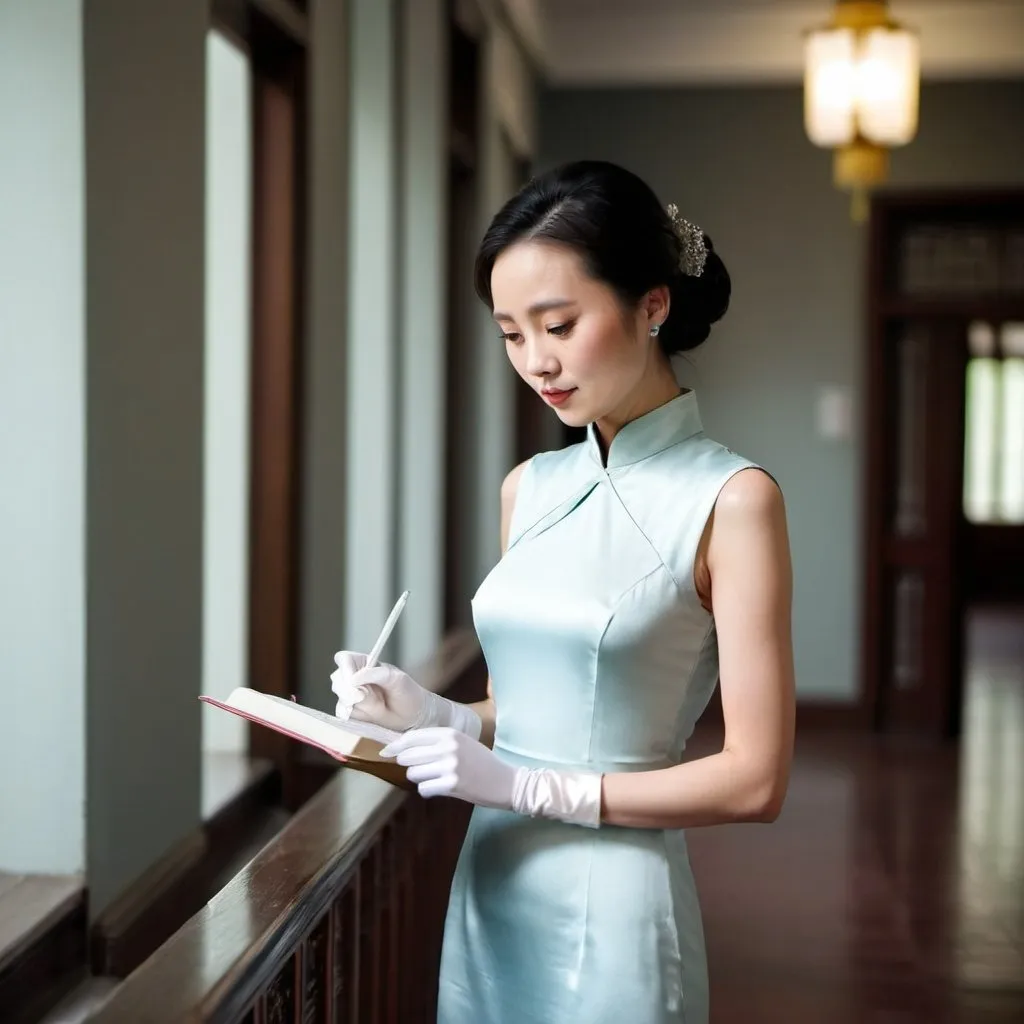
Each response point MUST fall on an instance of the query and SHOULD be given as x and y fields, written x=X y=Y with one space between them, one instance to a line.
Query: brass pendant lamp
x=861 y=93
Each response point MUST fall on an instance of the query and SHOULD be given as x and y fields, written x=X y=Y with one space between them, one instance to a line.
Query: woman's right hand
x=389 y=697
x=383 y=695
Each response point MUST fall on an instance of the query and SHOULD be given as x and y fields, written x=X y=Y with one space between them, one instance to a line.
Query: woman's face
x=568 y=335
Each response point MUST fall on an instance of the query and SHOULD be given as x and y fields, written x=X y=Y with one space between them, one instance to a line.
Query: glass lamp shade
x=830 y=94
x=887 y=79
x=861 y=85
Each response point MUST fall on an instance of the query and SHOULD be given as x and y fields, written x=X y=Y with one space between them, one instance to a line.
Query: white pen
x=385 y=633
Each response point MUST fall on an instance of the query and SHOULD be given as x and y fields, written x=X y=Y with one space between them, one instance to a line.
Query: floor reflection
x=990 y=916
x=892 y=887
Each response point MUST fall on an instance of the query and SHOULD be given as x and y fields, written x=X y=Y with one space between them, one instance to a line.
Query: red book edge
x=276 y=728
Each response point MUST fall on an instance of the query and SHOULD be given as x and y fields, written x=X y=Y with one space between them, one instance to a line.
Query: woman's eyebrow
x=536 y=309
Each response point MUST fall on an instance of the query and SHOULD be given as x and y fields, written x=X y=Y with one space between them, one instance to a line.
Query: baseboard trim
x=40 y=974
x=161 y=900
x=143 y=911
x=826 y=715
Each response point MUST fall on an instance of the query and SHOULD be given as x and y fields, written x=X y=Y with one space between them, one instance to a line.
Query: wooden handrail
x=338 y=918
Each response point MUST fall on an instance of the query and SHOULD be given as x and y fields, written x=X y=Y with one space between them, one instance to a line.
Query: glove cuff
x=572 y=797
x=441 y=711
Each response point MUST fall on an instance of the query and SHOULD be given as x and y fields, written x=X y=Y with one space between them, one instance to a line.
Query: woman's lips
x=556 y=396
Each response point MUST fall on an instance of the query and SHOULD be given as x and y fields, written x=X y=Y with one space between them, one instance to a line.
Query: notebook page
x=323 y=729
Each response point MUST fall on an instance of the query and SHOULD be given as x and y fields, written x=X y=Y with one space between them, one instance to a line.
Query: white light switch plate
x=834 y=413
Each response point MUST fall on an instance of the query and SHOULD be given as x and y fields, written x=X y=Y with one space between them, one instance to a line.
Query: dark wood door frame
x=274 y=33
x=463 y=124
x=931 y=554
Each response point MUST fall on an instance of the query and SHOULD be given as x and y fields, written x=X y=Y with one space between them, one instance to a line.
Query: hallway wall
x=322 y=553
x=145 y=73
x=103 y=597
x=736 y=161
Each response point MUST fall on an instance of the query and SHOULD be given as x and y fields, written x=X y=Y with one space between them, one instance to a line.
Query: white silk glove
x=446 y=762
x=391 y=698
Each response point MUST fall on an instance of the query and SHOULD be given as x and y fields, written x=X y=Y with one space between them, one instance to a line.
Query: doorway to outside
x=944 y=593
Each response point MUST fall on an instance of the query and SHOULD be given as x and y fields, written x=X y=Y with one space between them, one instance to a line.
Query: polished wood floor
x=891 y=889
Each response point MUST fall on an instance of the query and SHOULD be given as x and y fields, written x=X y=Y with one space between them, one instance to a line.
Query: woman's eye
x=510 y=336
x=561 y=330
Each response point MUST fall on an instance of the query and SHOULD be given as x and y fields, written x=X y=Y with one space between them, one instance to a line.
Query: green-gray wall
x=737 y=162
x=145 y=80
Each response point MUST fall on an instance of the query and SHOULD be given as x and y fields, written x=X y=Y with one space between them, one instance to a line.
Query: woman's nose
x=540 y=360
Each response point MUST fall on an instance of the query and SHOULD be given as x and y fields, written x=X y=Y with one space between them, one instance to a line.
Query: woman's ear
x=656 y=304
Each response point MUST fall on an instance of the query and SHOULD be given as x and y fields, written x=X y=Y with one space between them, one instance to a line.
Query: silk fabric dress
x=602 y=658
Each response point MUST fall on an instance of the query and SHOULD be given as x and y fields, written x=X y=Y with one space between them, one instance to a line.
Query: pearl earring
x=654 y=330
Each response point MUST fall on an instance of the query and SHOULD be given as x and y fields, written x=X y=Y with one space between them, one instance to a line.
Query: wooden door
x=938 y=265
x=276 y=43
x=278 y=218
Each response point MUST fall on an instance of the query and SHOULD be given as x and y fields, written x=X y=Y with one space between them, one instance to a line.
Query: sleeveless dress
x=601 y=657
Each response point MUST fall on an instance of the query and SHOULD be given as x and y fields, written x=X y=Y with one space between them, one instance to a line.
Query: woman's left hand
x=446 y=762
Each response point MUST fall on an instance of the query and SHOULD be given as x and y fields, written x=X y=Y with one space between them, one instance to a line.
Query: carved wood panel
x=316 y=978
x=373 y=957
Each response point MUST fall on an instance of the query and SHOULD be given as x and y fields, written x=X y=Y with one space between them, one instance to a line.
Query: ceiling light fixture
x=861 y=93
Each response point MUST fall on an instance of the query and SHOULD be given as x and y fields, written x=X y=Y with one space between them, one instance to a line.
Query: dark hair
x=613 y=220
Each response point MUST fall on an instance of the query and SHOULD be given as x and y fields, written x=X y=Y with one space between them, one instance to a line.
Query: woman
x=638 y=568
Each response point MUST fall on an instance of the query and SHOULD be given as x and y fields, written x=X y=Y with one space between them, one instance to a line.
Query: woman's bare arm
x=748 y=562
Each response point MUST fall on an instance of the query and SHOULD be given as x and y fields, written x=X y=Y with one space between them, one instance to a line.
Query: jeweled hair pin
x=693 y=252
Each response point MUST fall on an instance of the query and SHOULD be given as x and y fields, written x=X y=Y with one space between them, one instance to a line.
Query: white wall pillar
x=423 y=233
x=227 y=385
x=42 y=454
x=373 y=385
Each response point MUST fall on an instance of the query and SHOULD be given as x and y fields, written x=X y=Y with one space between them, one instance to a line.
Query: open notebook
x=356 y=744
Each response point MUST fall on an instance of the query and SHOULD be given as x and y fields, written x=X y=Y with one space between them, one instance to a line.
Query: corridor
x=891 y=889
x=250 y=394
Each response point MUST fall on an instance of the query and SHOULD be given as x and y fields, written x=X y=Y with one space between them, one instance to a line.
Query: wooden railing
x=338 y=919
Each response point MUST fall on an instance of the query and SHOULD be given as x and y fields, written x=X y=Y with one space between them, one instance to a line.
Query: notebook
x=354 y=744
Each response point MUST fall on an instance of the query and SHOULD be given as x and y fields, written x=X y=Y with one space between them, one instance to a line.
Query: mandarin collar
x=661 y=428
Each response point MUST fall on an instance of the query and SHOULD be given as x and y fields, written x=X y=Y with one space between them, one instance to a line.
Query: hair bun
x=697 y=303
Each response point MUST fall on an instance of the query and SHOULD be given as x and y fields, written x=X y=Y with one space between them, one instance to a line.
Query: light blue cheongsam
x=602 y=658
